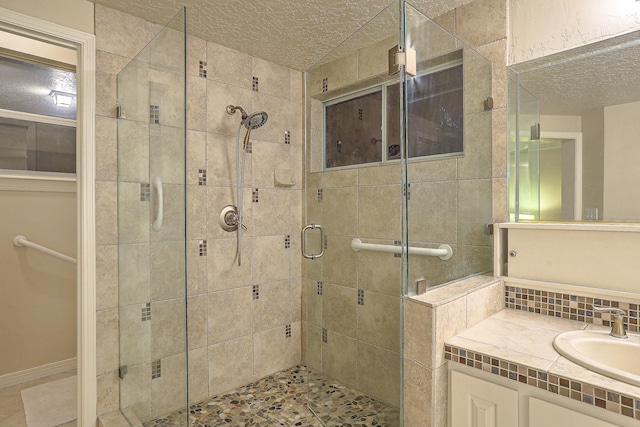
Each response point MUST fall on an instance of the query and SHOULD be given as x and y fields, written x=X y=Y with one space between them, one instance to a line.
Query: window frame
x=383 y=87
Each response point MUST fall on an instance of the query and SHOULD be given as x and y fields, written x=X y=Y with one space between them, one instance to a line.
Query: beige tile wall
x=428 y=323
x=233 y=338
x=449 y=203
x=274 y=269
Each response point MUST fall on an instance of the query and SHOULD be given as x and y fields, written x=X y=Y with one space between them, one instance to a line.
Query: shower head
x=250 y=121
x=231 y=109
x=255 y=120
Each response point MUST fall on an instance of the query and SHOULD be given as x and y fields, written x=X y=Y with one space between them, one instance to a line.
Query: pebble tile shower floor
x=281 y=400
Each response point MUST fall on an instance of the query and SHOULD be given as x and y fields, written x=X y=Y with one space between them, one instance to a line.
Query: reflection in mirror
x=573 y=130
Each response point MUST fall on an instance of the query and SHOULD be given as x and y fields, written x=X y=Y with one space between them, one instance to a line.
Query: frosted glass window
x=32 y=146
x=26 y=87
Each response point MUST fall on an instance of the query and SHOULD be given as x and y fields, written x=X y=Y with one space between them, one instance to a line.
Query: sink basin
x=598 y=351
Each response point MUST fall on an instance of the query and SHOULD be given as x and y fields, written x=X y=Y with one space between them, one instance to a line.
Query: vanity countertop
x=526 y=340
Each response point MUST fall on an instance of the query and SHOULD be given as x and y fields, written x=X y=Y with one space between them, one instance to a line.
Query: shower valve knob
x=229 y=218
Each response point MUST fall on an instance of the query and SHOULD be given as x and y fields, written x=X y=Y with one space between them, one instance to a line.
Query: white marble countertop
x=527 y=339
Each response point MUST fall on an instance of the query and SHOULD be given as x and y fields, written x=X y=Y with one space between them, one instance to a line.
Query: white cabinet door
x=479 y=403
x=545 y=414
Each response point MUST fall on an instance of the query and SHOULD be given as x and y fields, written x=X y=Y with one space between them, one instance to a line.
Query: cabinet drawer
x=479 y=403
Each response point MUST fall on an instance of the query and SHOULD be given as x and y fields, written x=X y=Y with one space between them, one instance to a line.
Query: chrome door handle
x=304 y=233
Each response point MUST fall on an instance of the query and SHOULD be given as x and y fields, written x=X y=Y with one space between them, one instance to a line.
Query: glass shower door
x=526 y=157
x=353 y=298
x=449 y=149
x=151 y=229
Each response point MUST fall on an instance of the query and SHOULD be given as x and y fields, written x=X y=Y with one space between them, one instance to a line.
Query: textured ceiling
x=583 y=79
x=293 y=33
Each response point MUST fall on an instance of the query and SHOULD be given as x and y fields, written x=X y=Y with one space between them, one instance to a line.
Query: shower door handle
x=304 y=239
x=157 y=185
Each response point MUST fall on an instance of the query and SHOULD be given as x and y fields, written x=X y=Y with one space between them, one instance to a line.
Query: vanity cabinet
x=479 y=399
x=545 y=414
x=479 y=403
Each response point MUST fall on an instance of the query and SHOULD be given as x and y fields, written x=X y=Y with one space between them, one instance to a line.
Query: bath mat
x=51 y=404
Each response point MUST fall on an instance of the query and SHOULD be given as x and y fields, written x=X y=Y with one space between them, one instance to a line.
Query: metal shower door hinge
x=406 y=58
x=535 y=131
x=122 y=371
x=120 y=112
x=488 y=103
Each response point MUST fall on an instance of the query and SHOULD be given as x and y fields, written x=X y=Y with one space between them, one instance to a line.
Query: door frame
x=577 y=137
x=84 y=44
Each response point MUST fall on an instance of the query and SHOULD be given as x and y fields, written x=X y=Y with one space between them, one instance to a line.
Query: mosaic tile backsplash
x=576 y=390
x=567 y=306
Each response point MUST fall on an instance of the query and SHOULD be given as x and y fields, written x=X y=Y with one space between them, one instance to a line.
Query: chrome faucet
x=618 y=314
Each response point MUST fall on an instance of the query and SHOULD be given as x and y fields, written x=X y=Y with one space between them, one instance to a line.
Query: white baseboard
x=42 y=371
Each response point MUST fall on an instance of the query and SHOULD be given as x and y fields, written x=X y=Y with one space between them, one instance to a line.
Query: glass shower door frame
x=151 y=120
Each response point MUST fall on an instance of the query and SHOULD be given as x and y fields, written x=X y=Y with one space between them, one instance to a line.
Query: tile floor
x=11 y=409
x=281 y=400
x=277 y=400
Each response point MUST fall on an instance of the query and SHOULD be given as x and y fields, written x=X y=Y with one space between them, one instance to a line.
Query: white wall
x=37 y=291
x=76 y=14
x=598 y=256
x=542 y=27
x=560 y=123
x=621 y=154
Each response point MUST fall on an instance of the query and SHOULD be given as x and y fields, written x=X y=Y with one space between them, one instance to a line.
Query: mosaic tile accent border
x=568 y=306
x=320 y=195
x=154 y=114
x=576 y=390
x=325 y=84
x=397 y=243
x=287 y=137
x=254 y=84
x=360 y=297
x=156 y=369
x=202 y=69
x=202 y=177
x=255 y=196
x=145 y=192
x=146 y=312
x=319 y=291
x=256 y=291
x=202 y=247
x=287 y=331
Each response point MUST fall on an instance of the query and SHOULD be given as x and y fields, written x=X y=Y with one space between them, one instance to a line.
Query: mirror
x=574 y=134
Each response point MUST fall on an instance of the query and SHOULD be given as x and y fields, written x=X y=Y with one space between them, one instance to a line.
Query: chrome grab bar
x=22 y=241
x=303 y=235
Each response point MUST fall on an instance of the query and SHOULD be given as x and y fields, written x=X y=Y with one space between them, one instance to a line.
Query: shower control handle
x=229 y=218
x=312 y=256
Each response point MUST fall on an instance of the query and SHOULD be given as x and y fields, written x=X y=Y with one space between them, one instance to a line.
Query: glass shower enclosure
x=151 y=228
x=398 y=175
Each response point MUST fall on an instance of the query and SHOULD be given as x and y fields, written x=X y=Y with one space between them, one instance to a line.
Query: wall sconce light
x=62 y=99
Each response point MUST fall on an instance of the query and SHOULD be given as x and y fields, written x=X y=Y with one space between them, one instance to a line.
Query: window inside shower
x=363 y=127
